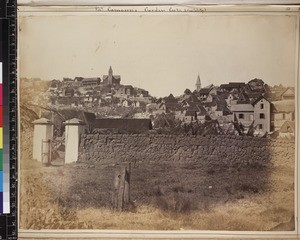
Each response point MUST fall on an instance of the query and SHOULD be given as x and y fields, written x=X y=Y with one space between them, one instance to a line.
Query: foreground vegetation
x=164 y=197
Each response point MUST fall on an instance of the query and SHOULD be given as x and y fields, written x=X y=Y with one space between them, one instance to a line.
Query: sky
x=161 y=53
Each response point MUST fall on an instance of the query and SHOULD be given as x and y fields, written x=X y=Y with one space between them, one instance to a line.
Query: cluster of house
x=81 y=92
x=252 y=105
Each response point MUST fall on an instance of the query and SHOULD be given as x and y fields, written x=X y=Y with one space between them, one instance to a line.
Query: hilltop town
x=234 y=107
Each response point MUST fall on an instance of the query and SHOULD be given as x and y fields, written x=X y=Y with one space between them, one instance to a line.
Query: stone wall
x=226 y=150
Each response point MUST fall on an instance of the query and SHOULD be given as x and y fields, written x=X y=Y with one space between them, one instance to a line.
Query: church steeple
x=110 y=75
x=110 y=71
x=198 y=84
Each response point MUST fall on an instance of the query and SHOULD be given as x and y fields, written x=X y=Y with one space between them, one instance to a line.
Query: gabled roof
x=258 y=99
x=219 y=100
x=286 y=124
x=224 y=109
x=289 y=88
x=114 y=77
x=243 y=98
x=193 y=98
x=201 y=110
x=283 y=106
x=204 y=91
x=173 y=107
x=254 y=95
x=161 y=104
x=160 y=100
x=198 y=108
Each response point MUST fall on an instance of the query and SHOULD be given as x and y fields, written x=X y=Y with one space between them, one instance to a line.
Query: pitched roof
x=161 y=104
x=114 y=77
x=258 y=99
x=193 y=98
x=219 y=100
x=286 y=124
x=173 y=107
x=283 y=106
x=204 y=91
x=130 y=125
x=242 y=108
x=243 y=98
x=201 y=110
x=292 y=91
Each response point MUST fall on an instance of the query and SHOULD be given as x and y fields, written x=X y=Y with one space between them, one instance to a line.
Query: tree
x=187 y=92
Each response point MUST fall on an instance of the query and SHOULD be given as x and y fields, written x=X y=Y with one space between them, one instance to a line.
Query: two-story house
x=258 y=112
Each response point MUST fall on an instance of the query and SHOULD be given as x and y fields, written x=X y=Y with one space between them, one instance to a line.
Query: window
x=283 y=116
x=251 y=117
x=261 y=106
x=262 y=116
x=241 y=115
x=260 y=126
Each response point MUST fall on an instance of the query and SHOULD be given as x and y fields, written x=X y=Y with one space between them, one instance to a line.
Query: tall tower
x=110 y=75
x=198 y=84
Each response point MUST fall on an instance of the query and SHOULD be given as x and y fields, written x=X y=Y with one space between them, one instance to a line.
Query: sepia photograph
x=158 y=118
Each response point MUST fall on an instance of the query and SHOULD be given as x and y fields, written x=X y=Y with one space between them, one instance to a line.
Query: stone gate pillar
x=43 y=131
x=74 y=128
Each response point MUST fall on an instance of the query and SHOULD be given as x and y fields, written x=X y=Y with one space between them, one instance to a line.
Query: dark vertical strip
x=2 y=9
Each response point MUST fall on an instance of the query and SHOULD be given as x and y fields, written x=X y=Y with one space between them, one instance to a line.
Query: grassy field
x=164 y=196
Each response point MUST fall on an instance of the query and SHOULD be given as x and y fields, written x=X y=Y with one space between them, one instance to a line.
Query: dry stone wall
x=228 y=150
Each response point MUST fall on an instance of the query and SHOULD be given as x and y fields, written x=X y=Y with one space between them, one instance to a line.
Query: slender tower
x=110 y=75
x=198 y=84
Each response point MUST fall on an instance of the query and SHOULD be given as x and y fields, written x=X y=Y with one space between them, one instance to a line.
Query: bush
x=176 y=203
